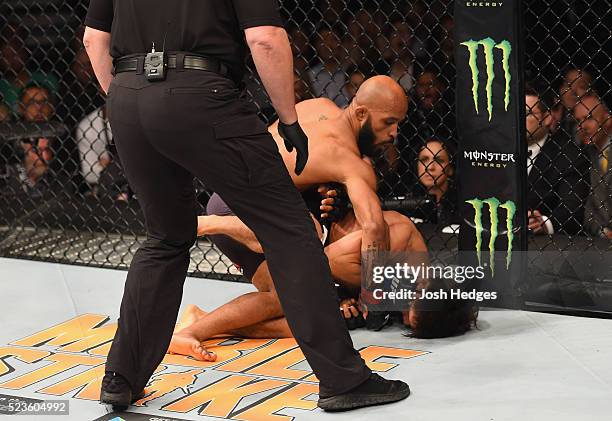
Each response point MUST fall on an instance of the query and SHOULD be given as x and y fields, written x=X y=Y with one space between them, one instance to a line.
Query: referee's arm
x=97 y=44
x=274 y=61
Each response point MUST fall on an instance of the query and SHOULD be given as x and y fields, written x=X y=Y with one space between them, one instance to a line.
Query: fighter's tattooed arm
x=361 y=188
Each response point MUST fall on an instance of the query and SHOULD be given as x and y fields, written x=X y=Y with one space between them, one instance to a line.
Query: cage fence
x=64 y=197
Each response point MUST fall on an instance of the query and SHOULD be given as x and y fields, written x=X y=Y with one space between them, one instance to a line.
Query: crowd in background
x=55 y=131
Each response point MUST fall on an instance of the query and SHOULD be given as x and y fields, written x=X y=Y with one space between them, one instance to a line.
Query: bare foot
x=186 y=343
x=191 y=315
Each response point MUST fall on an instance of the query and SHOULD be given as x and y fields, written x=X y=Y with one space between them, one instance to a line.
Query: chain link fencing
x=64 y=198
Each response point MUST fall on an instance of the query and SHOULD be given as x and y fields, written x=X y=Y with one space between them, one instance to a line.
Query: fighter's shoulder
x=318 y=106
x=353 y=166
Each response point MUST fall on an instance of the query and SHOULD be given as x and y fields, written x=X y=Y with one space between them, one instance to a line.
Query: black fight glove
x=340 y=206
x=295 y=137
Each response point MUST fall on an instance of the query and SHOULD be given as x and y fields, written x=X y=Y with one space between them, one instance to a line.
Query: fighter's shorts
x=238 y=253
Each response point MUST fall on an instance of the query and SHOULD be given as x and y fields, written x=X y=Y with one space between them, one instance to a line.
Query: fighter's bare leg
x=234 y=228
x=231 y=226
x=274 y=328
x=243 y=311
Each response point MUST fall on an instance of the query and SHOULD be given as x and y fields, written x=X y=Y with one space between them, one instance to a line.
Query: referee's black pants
x=196 y=124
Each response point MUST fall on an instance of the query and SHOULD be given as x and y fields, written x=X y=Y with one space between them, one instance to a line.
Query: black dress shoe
x=116 y=391
x=374 y=391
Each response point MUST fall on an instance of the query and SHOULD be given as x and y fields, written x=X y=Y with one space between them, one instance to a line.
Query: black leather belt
x=175 y=61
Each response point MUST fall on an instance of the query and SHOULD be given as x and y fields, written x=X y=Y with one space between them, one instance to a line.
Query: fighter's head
x=378 y=107
x=440 y=318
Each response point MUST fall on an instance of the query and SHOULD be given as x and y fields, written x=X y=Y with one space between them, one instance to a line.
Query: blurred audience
x=411 y=42
x=557 y=170
x=327 y=77
x=14 y=74
x=576 y=84
x=28 y=155
x=5 y=113
x=355 y=78
x=303 y=52
x=595 y=132
x=85 y=95
x=433 y=114
x=397 y=60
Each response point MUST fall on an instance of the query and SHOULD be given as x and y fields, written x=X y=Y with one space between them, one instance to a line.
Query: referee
x=172 y=71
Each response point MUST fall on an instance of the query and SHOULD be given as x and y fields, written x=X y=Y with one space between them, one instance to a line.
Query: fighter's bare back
x=332 y=146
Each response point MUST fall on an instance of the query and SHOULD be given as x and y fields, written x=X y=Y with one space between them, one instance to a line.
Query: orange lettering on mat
x=371 y=353
x=162 y=384
x=291 y=398
x=89 y=383
x=279 y=366
x=222 y=397
x=82 y=329
x=25 y=355
x=60 y=363
x=259 y=356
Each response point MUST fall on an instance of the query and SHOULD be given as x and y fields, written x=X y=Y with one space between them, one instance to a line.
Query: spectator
x=303 y=52
x=355 y=78
x=444 y=49
x=396 y=56
x=557 y=187
x=302 y=56
x=595 y=132
x=93 y=136
x=327 y=78
x=14 y=75
x=433 y=115
x=31 y=154
x=84 y=96
x=330 y=10
x=36 y=105
x=435 y=172
x=363 y=29
x=5 y=113
x=302 y=90
x=576 y=84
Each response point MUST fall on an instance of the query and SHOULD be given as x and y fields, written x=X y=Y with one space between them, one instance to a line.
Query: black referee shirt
x=213 y=28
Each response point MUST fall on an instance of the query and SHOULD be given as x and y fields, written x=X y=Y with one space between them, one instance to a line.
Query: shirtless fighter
x=338 y=141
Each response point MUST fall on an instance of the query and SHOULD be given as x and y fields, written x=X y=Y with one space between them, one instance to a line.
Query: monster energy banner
x=491 y=156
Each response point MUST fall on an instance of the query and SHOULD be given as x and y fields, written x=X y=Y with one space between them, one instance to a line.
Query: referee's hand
x=295 y=137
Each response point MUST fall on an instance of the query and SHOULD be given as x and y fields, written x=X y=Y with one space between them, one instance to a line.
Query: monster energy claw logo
x=489 y=45
x=494 y=205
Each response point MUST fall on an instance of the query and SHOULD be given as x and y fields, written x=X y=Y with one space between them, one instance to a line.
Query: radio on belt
x=155 y=65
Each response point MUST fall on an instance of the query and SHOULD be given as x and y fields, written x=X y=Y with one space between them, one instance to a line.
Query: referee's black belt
x=135 y=63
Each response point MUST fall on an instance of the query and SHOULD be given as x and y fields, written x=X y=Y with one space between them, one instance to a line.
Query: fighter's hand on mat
x=294 y=137
x=349 y=308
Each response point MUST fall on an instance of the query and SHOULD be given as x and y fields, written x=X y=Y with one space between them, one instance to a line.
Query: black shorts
x=243 y=257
